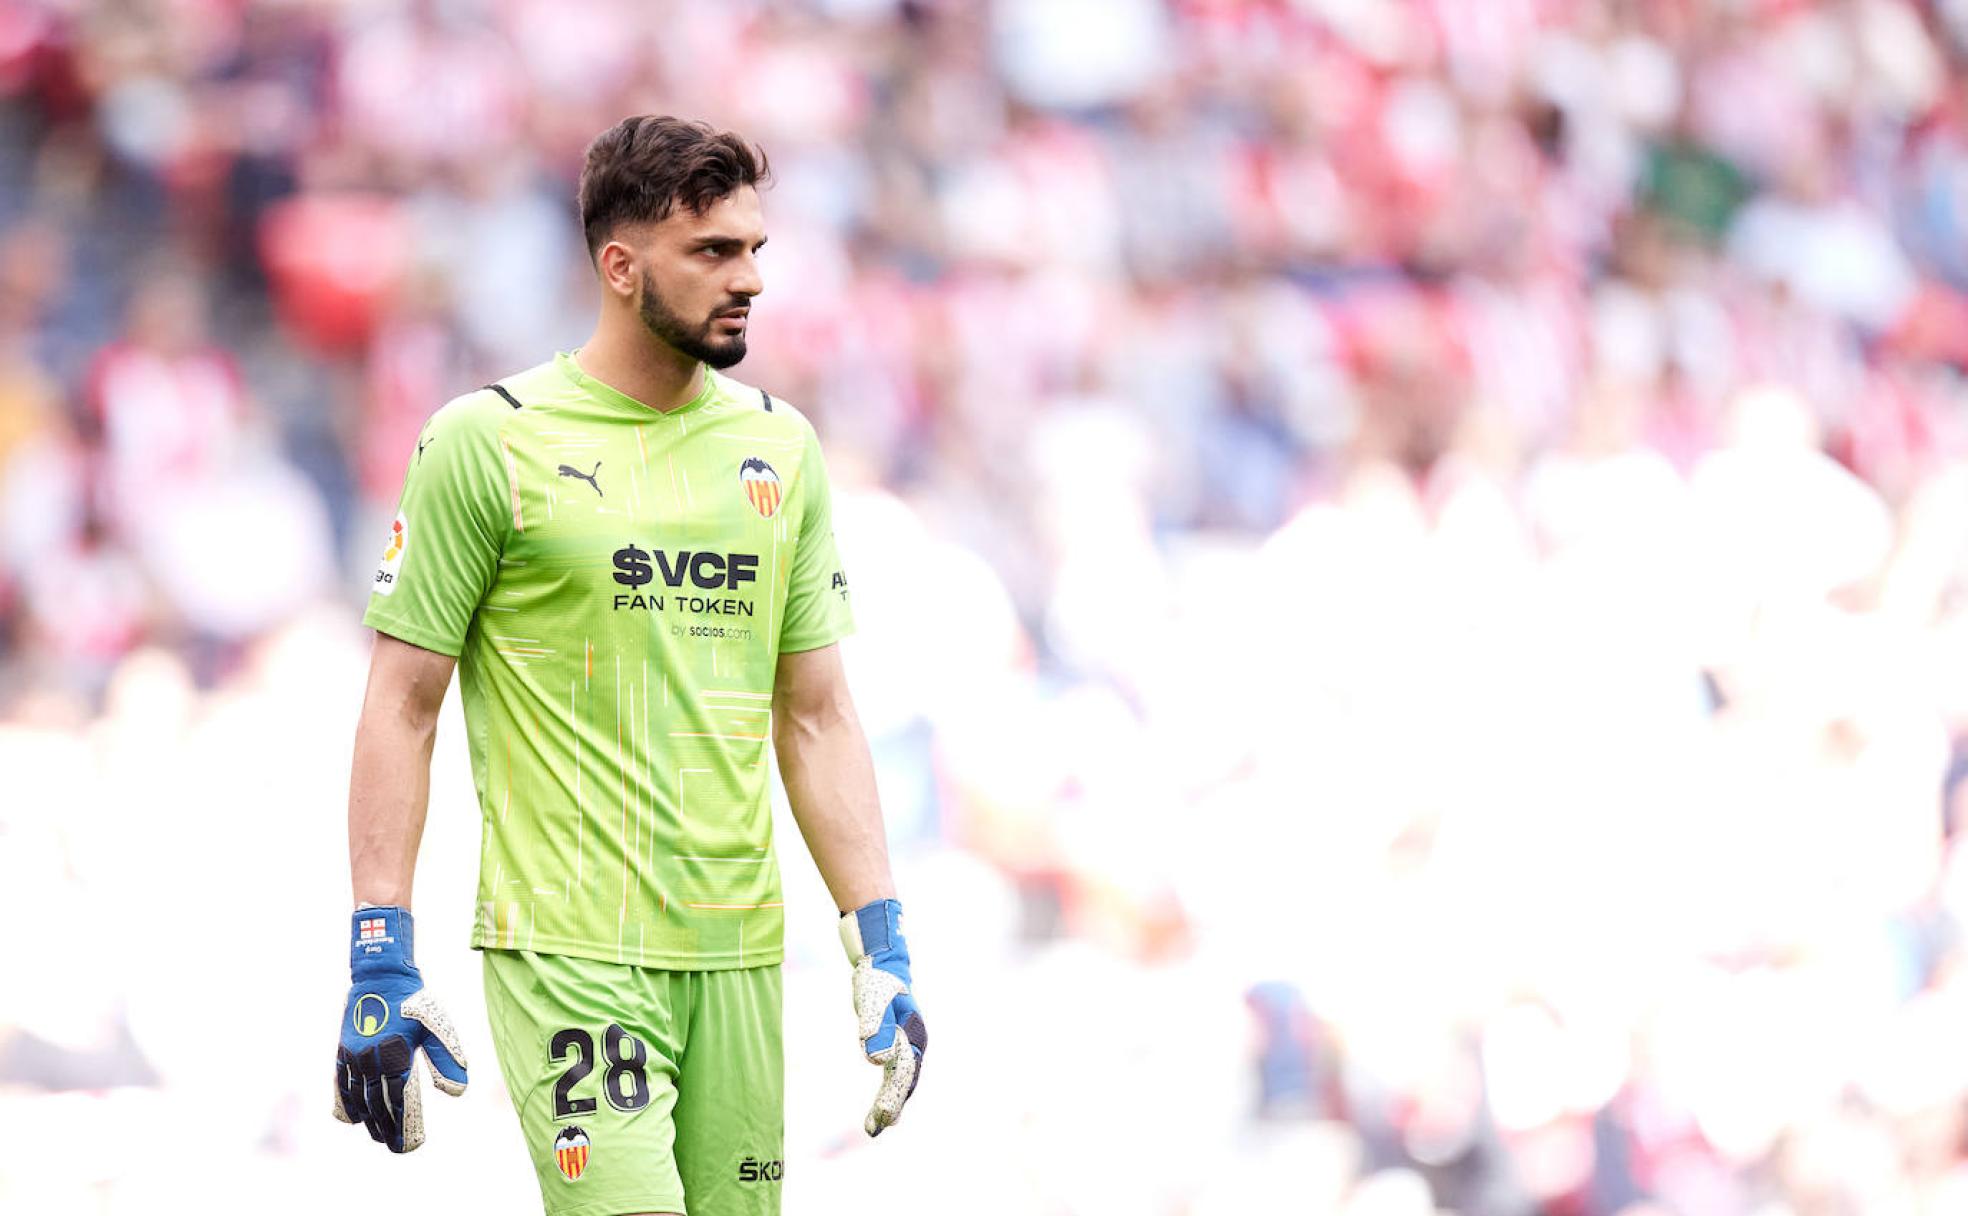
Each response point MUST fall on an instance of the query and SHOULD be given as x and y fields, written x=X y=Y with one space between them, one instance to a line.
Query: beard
x=696 y=341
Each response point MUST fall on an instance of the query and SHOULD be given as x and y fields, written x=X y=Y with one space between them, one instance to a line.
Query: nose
x=747 y=282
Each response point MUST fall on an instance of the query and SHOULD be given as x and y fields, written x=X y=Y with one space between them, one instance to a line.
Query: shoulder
x=486 y=411
x=776 y=422
x=467 y=427
x=536 y=386
x=738 y=397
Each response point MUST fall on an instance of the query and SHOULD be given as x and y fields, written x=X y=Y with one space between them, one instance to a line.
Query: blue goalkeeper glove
x=892 y=1030
x=388 y=1019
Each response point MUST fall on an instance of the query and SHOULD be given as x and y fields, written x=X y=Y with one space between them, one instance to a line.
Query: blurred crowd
x=1412 y=562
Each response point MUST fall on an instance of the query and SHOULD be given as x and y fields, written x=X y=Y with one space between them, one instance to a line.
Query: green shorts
x=641 y=1090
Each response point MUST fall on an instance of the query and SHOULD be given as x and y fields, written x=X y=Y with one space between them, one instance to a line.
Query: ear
x=616 y=264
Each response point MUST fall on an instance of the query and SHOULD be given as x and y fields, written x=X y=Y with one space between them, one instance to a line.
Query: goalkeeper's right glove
x=388 y=1018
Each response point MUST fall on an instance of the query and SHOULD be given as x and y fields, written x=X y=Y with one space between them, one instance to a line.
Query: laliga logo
x=392 y=557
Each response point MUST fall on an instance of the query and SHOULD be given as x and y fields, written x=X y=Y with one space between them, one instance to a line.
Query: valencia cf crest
x=571 y=1153
x=761 y=482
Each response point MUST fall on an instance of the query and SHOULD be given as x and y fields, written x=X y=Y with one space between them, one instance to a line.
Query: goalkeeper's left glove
x=388 y=1018
x=892 y=1030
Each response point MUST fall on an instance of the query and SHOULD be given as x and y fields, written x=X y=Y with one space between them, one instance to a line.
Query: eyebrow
x=708 y=242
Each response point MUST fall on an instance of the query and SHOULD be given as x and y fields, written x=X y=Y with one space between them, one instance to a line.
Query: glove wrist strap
x=871 y=929
x=381 y=940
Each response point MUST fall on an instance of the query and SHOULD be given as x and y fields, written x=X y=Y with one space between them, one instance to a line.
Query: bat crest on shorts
x=571 y=1153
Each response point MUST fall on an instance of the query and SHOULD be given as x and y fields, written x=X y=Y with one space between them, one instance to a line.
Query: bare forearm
x=830 y=781
x=389 y=780
x=389 y=793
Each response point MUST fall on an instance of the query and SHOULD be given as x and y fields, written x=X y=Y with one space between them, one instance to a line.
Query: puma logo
x=571 y=471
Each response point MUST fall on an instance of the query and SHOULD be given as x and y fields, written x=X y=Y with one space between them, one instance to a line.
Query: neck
x=637 y=364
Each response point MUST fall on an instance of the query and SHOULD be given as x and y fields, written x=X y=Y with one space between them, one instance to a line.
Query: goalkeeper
x=629 y=557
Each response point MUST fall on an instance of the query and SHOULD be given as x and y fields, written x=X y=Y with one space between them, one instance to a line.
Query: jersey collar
x=610 y=396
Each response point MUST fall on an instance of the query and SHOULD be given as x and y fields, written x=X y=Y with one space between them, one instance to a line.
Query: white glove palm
x=889 y=1022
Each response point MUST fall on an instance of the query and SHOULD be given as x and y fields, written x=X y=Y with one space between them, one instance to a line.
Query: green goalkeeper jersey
x=617 y=584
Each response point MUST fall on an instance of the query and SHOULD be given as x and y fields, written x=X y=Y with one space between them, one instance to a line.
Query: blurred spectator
x=167 y=403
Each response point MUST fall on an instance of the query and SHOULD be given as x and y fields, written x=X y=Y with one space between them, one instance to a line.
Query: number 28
x=627 y=1059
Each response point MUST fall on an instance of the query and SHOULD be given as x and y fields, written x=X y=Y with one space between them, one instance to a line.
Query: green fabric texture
x=617 y=585
x=1694 y=189
x=680 y=1109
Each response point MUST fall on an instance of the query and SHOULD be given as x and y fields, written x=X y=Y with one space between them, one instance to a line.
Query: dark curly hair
x=642 y=168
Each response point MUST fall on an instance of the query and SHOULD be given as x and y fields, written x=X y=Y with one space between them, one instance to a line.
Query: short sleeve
x=443 y=548
x=817 y=610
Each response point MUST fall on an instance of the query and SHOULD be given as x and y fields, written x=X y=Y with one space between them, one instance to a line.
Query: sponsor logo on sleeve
x=392 y=557
x=761 y=482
